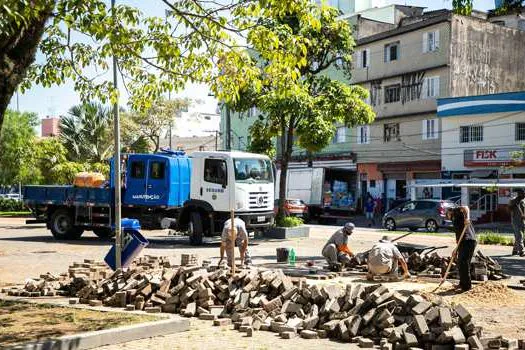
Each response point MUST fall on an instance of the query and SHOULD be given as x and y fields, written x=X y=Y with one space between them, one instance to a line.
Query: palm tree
x=86 y=132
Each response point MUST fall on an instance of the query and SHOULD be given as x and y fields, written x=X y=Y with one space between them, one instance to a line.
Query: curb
x=113 y=336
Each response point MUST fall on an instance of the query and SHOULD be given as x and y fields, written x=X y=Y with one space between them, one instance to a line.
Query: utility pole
x=116 y=161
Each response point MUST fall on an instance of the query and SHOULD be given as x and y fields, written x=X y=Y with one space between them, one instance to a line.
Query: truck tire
x=104 y=232
x=62 y=225
x=195 y=229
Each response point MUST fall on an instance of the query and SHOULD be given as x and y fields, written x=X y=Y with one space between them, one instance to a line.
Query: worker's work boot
x=335 y=267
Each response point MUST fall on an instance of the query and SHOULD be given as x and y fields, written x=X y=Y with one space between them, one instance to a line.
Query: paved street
x=27 y=251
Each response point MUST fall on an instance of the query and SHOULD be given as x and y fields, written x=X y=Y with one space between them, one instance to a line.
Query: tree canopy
x=293 y=45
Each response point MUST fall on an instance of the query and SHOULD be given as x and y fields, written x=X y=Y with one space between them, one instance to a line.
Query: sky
x=56 y=100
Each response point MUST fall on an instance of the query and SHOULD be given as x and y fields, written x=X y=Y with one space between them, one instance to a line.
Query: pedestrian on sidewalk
x=336 y=251
x=241 y=241
x=369 y=210
x=517 y=215
x=384 y=258
x=460 y=217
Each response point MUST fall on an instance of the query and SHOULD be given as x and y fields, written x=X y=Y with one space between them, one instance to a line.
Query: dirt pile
x=493 y=293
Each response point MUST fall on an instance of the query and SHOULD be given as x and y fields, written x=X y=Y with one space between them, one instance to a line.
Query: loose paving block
x=153 y=309
x=463 y=314
x=310 y=322
x=410 y=339
x=420 y=325
x=474 y=342
x=421 y=308
x=191 y=309
x=461 y=347
x=222 y=322
x=509 y=343
x=130 y=307
x=308 y=334
x=73 y=301
x=322 y=334
x=365 y=343
x=432 y=314
x=207 y=317
x=445 y=318
x=95 y=302
x=353 y=325
x=288 y=335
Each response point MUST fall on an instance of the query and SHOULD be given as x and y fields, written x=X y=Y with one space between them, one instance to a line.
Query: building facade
x=407 y=59
x=50 y=126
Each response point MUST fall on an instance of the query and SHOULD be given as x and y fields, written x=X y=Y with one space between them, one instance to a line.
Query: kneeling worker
x=336 y=250
x=241 y=241
x=384 y=258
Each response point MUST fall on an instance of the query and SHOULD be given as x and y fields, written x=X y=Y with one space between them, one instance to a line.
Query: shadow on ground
x=512 y=265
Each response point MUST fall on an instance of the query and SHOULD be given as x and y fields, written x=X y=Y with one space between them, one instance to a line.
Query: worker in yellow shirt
x=336 y=249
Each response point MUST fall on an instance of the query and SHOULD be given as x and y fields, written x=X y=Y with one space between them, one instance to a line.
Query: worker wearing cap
x=466 y=245
x=517 y=212
x=385 y=258
x=336 y=250
x=241 y=241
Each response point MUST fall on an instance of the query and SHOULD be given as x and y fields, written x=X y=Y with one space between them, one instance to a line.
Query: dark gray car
x=424 y=213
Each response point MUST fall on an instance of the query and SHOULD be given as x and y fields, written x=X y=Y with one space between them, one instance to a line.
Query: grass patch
x=24 y=322
x=490 y=237
x=14 y=213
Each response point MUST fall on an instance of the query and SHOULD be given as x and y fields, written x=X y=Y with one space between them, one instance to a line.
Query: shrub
x=289 y=221
x=489 y=237
x=7 y=204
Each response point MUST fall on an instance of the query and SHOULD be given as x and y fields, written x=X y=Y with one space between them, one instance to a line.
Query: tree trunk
x=286 y=147
x=17 y=52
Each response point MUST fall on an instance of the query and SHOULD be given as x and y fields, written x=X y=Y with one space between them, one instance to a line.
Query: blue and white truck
x=165 y=190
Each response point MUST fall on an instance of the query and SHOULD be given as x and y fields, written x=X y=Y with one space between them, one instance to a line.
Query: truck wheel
x=104 y=232
x=195 y=229
x=62 y=226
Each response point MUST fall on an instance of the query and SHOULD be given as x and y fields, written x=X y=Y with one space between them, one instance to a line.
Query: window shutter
x=425 y=42
x=436 y=39
x=435 y=81
x=436 y=128
x=424 y=129
x=387 y=53
x=367 y=57
x=367 y=134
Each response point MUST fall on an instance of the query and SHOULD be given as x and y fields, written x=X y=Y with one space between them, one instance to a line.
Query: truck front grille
x=258 y=200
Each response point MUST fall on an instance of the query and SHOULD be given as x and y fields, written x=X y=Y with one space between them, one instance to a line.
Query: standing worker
x=336 y=249
x=460 y=217
x=385 y=258
x=517 y=212
x=369 y=210
x=241 y=241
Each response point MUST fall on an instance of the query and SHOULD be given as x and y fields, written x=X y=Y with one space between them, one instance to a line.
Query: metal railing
x=484 y=204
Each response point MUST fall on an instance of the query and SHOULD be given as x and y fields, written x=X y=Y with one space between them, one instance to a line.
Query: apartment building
x=407 y=61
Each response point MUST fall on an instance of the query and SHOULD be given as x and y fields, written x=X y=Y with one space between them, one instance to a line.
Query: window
x=215 y=171
x=157 y=170
x=430 y=129
x=392 y=52
x=253 y=170
x=520 y=131
x=430 y=88
x=137 y=170
x=471 y=133
x=391 y=132
x=372 y=183
x=431 y=41
x=408 y=206
x=392 y=93
x=340 y=135
x=363 y=133
x=363 y=58
x=423 y=205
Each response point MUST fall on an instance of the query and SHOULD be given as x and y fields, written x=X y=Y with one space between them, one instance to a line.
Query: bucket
x=282 y=255
x=132 y=244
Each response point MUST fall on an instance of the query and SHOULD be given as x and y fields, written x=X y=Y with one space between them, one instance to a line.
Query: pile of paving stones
x=267 y=300
x=483 y=267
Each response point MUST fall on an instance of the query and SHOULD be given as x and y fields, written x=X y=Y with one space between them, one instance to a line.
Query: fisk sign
x=491 y=157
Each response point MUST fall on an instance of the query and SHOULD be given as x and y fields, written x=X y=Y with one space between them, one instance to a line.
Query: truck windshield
x=253 y=170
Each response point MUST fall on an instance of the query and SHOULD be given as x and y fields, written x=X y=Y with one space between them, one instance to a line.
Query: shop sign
x=492 y=157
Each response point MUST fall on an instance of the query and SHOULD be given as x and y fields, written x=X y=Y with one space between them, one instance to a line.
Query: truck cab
x=222 y=181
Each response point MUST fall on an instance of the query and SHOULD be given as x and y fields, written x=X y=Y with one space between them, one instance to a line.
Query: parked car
x=424 y=213
x=293 y=207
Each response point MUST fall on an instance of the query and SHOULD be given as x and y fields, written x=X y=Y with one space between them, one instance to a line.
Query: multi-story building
x=50 y=126
x=407 y=61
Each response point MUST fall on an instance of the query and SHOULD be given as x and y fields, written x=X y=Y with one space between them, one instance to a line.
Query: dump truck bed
x=67 y=196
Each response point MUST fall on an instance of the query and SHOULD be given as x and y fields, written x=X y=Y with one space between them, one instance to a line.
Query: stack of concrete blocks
x=188 y=259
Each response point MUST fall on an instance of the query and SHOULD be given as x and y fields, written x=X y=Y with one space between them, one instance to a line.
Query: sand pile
x=490 y=293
